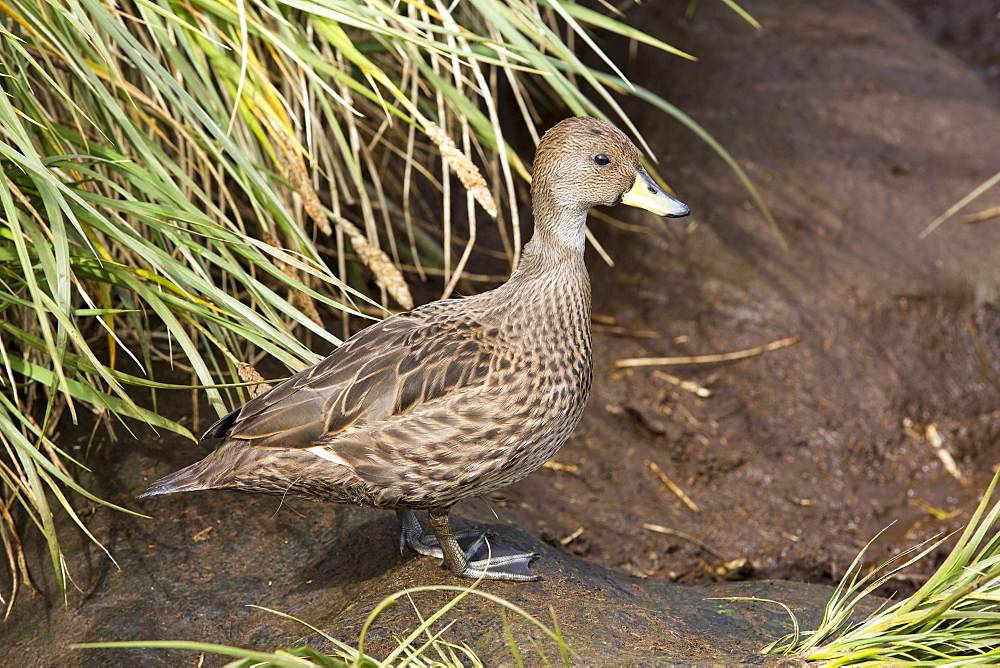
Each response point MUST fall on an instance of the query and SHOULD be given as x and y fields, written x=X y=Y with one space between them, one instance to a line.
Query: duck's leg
x=484 y=559
x=412 y=535
x=484 y=556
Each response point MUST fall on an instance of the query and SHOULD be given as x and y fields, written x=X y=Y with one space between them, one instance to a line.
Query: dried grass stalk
x=307 y=305
x=302 y=301
x=248 y=374
x=465 y=169
x=387 y=275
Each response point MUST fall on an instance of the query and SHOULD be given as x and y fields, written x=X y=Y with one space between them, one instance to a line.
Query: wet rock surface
x=858 y=131
x=193 y=572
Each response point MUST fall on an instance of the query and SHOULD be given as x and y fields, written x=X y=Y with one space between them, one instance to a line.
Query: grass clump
x=953 y=619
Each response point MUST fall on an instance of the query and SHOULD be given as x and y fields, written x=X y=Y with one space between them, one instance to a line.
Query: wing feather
x=384 y=371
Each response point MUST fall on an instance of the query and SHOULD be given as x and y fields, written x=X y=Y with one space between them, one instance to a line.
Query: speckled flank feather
x=465 y=398
x=456 y=398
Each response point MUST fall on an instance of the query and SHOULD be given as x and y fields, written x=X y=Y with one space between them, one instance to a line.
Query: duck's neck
x=552 y=275
x=542 y=256
x=548 y=296
x=558 y=242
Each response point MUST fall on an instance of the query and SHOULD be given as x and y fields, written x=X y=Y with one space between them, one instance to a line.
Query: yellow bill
x=646 y=194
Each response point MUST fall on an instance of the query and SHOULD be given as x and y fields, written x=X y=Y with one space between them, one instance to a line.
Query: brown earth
x=858 y=131
x=858 y=134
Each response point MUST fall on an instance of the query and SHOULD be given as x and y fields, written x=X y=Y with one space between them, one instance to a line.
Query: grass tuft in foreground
x=424 y=646
x=954 y=618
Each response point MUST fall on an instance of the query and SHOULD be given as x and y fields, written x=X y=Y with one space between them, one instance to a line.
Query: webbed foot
x=483 y=557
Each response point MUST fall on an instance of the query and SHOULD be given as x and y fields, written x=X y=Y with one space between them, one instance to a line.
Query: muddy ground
x=859 y=130
x=859 y=133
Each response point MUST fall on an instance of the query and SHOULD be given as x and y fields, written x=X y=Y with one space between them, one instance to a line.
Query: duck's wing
x=385 y=370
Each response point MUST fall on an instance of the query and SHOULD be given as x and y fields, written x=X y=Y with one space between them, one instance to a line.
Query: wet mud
x=858 y=133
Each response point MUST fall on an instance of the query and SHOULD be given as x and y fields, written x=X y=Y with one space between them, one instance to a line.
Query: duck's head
x=582 y=162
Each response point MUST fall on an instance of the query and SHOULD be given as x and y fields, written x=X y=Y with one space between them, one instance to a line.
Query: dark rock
x=191 y=574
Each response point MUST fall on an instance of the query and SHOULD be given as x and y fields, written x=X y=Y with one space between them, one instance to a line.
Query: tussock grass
x=953 y=619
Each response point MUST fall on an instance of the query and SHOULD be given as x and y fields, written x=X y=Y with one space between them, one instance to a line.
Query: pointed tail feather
x=209 y=473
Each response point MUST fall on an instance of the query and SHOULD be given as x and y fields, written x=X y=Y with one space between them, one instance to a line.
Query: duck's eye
x=602 y=159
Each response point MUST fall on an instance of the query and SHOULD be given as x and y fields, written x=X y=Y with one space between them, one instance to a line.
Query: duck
x=454 y=399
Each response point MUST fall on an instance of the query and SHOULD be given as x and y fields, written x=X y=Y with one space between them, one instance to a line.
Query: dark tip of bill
x=683 y=212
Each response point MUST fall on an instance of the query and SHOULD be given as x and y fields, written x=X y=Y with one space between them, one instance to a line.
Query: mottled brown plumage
x=456 y=398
